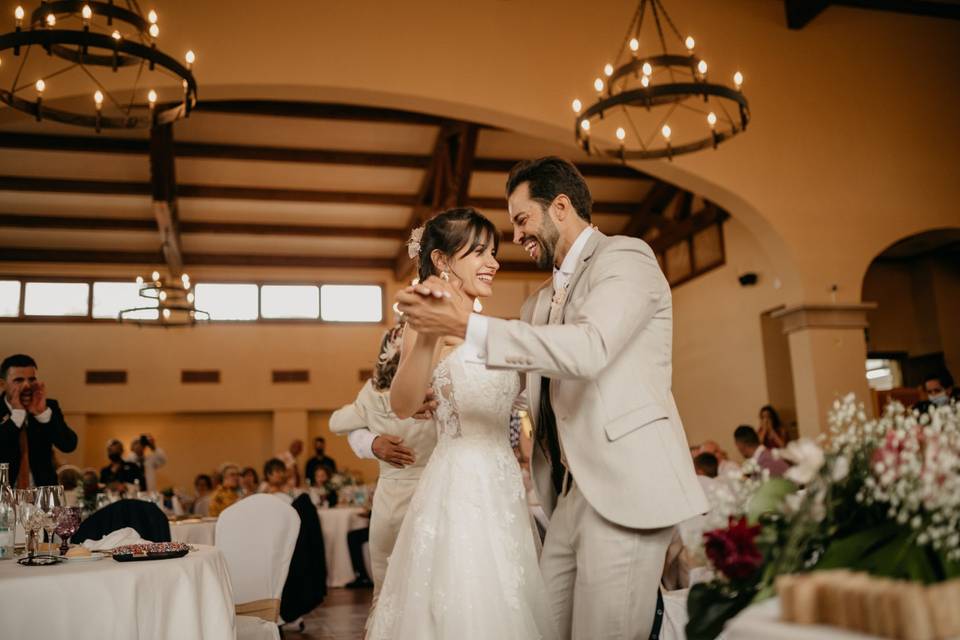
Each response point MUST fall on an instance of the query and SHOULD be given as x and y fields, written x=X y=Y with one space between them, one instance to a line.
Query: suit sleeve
x=627 y=289
x=61 y=435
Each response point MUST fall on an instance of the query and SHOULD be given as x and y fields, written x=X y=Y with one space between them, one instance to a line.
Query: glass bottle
x=8 y=513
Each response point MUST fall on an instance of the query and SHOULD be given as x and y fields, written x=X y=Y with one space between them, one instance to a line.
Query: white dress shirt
x=477 y=326
x=19 y=416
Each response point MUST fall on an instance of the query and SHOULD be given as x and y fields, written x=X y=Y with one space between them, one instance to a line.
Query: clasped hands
x=436 y=307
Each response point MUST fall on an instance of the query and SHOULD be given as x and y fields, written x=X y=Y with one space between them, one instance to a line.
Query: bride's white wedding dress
x=465 y=562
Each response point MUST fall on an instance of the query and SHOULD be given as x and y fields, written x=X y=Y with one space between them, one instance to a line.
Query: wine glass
x=48 y=499
x=68 y=521
x=26 y=511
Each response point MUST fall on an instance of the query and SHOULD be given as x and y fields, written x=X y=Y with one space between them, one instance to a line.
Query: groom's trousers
x=601 y=578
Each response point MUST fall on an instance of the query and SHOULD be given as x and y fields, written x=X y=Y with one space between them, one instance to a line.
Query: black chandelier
x=174 y=305
x=90 y=36
x=672 y=90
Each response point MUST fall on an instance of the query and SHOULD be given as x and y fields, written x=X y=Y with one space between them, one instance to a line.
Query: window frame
x=90 y=280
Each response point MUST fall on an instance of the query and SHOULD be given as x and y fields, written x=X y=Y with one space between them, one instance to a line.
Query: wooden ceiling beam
x=80 y=256
x=163 y=184
x=317 y=110
x=801 y=12
x=219 y=151
x=21 y=221
x=650 y=209
x=711 y=214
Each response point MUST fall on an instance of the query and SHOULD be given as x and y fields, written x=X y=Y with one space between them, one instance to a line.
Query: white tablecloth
x=762 y=622
x=336 y=524
x=175 y=599
x=194 y=531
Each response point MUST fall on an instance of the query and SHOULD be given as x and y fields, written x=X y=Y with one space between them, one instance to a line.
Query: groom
x=612 y=465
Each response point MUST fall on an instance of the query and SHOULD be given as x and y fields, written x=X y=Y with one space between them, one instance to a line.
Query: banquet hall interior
x=206 y=265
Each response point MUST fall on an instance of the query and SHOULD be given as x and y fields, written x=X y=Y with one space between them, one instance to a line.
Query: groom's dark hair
x=548 y=178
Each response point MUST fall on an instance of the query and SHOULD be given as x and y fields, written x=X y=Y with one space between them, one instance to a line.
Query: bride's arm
x=413 y=374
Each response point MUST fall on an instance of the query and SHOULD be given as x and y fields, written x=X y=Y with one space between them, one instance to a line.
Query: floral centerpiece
x=880 y=496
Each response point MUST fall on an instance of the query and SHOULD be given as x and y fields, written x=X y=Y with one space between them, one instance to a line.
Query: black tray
x=129 y=557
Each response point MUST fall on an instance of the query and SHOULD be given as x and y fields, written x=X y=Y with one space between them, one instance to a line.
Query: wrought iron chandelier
x=87 y=38
x=660 y=104
x=174 y=303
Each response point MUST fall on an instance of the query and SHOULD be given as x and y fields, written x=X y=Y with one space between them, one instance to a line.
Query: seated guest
x=145 y=454
x=320 y=492
x=748 y=444
x=706 y=464
x=726 y=465
x=289 y=458
x=355 y=541
x=31 y=425
x=70 y=477
x=203 y=485
x=249 y=481
x=773 y=435
x=320 y=459
x=119 y=473
x=275 y=478
x=939 y=390
x=227 y=493
x=91 y=487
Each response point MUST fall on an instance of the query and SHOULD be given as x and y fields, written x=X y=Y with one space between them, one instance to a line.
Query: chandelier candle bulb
x=702 y=67
x=86 y=13
x=690 y=43
x=18 y=14
x=577 y=106
x=634 y=45
x=666 y=131
x=608 y=70
x=155 y=276
x=152 y=17
x=645 y=81
x=166 y=314
x=738 y=80
x=647 y=69
x=51 y=20
x=712 y=119
x=598 y=85
x=152 y=99
x=154 y=31
x=139 y=281
x=191 y=57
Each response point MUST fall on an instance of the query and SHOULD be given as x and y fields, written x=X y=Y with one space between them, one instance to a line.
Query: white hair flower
x=413 y=244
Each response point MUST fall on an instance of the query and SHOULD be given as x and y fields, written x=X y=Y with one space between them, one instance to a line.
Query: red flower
x=733 y=551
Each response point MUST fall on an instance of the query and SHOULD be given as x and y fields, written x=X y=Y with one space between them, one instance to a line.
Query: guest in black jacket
x=30 y=425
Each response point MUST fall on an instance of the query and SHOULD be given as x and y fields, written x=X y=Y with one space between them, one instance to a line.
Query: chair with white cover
x=257 y=536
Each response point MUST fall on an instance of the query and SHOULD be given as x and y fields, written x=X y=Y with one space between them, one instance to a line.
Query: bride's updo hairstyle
x=454 y=232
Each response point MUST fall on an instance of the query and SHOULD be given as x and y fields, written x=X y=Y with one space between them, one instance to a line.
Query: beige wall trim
x=824 y=316
x=267 y=609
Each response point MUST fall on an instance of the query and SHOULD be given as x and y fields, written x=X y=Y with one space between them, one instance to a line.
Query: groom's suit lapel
x=541 y=313
x=589 y=249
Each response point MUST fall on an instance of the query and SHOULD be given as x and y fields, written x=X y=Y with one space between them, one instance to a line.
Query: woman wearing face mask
x=939 y=389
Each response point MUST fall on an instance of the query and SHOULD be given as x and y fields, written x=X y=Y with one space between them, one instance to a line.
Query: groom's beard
x=547 y=236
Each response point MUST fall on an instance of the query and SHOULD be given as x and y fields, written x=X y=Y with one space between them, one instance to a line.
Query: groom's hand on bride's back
x=390 y=449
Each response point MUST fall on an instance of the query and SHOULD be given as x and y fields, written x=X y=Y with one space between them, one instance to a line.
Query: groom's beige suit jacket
x=608 y=354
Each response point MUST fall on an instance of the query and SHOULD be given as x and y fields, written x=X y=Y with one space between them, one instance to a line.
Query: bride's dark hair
x=452 y=231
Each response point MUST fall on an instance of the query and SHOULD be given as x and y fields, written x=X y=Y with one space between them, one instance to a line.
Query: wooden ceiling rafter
x=163 y=183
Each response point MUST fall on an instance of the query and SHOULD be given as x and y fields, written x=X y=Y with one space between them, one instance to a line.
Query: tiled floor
x=341 y=617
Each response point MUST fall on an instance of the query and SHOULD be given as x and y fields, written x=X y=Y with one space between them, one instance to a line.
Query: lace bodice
x=473 y=401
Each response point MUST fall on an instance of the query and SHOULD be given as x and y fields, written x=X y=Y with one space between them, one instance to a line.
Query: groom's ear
x=561 y=207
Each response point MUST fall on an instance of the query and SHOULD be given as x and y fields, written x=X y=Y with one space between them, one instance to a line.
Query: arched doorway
x=915 y=284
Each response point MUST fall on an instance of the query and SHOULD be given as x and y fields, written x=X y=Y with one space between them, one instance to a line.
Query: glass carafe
x=8 y=513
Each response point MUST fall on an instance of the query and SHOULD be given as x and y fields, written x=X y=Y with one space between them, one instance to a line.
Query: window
x=228 y=301
x=9 y=298
x=290 y=301
x=882 y=374
x=110 y=298
x=56 y=299
x=351 y=303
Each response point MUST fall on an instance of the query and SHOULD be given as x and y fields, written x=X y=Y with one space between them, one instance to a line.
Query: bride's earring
x=477 y=306
x=445 y=276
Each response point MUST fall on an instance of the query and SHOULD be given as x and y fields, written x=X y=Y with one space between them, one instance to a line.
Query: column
x=828 y=354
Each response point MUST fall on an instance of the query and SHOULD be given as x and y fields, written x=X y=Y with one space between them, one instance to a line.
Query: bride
x=465 y=562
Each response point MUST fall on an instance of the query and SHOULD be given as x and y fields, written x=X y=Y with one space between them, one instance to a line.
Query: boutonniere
x=559 y=297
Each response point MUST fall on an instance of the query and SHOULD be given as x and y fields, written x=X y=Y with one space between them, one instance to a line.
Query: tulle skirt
x=465 y=563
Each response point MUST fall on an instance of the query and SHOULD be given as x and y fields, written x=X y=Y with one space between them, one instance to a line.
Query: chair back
x=146 y=517
x=257 y=536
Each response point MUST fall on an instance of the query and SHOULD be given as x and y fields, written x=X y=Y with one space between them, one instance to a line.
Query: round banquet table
x=336 y=524
x=173 y=599
x=194 y=531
